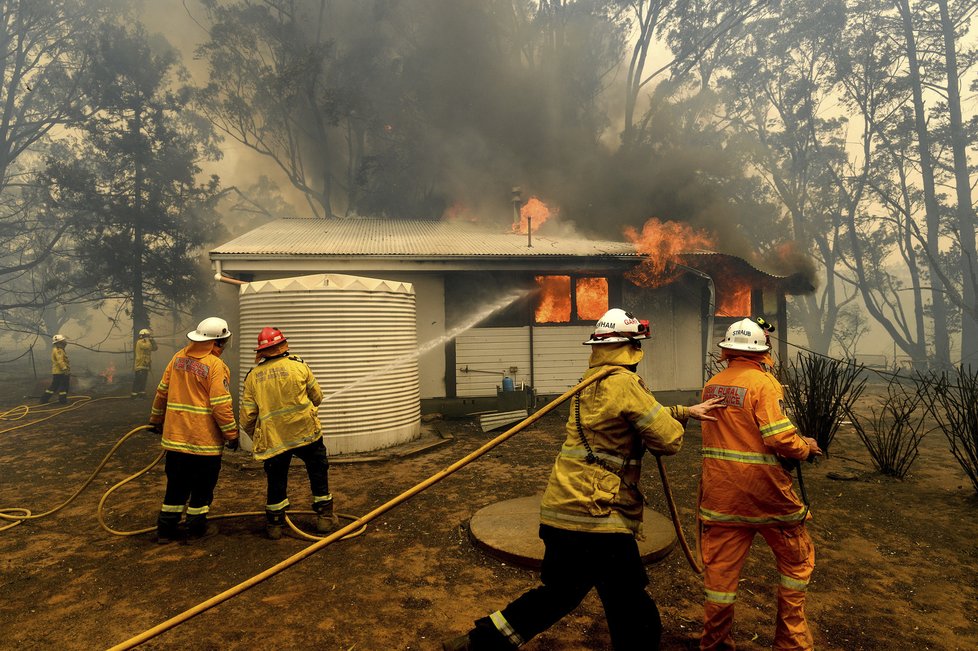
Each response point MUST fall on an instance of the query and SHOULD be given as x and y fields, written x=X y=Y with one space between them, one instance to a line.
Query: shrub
x=818 y=391
x=954 y=404
x=896 y=430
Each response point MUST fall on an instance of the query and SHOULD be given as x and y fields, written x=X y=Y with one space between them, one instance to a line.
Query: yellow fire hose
x=18 y=515
x=380 y=510
x=220 y=516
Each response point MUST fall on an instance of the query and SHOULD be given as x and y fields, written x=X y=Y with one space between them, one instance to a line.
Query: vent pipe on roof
x=529 y=231
x=517 y=198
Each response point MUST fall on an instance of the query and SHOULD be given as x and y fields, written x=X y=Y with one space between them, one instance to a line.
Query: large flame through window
x=554 y=303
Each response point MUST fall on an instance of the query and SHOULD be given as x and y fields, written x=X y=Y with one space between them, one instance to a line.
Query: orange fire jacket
x=743 y=483
x=193 y=401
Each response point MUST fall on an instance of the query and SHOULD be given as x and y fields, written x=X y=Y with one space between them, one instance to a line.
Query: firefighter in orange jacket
x=591 y=511
x=193 y=411
x=744 y=490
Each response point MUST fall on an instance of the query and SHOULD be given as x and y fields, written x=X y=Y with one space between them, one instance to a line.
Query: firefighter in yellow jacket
x=592 y=508
x=279 y=411
x=745 y=491
x=193 y=411
x=142 y=361
x=60 y=371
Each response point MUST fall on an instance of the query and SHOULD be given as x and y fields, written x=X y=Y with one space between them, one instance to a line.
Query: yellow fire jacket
x=743 y=483
x=143 y=358
x=193 y=401
x=620 y=418
x=59 y=361
x=279 y=406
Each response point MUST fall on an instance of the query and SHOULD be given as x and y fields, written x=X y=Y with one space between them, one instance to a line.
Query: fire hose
x=380 y=510
x=18 y=515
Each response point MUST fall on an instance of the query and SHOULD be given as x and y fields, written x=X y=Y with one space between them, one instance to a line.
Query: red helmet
x=269 y=337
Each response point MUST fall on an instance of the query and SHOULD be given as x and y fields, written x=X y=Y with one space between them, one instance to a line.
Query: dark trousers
x=59 y=385
x=188 y=477
x=317 y=467
x=139 y=378
x=573 y=563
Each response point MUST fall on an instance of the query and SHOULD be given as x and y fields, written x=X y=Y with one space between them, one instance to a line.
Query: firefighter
x=193 y=412
x=279 y=410
x=745 y=490
x=142 y=362
x=60 y=371
x=592 y=508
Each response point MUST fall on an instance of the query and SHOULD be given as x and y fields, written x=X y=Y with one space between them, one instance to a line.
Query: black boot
x=326 y=520
x=275 y=524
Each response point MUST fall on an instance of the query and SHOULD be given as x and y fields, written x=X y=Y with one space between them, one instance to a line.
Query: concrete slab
x=508 y=530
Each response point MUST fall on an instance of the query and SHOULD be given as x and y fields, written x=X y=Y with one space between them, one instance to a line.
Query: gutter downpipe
x=220 y=277
x=709 y=316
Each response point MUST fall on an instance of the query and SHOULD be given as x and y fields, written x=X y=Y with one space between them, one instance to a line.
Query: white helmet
x=57 y=339
x=748 y=335
x=145 y=332
x=209 y=329
x=618 y=326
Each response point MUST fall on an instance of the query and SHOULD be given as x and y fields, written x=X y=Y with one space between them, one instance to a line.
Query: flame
x=108 y=373
x=459 y=212
x=592 y=298
x=554 y=300
x=553 y=304
x=533 y=212
x=660 y=244
x=733 y=297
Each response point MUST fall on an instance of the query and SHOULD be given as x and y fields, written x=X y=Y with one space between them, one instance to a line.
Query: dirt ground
x=896 y=568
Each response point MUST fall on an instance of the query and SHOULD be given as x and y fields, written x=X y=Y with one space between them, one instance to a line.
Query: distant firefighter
x=193 y=412
x=60 y=371
x=142 y=361
x=279 y=410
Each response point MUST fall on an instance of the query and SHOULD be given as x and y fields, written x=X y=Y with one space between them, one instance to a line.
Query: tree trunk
x=962 y=181
x=140 y=319
x=942 y=347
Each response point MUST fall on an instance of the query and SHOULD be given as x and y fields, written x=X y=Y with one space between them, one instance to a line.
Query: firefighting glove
x=155 y=428
x=233 y=444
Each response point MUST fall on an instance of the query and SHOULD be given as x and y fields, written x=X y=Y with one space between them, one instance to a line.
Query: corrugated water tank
x=359 y=337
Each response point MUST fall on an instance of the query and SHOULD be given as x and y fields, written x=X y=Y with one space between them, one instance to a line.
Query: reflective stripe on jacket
x=278 y=406
x=620 y=418
x=59 y=361
x=193 y=401
x=143 y=359
x=743 y=482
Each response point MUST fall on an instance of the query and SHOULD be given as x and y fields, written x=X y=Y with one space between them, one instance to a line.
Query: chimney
x=517 y=194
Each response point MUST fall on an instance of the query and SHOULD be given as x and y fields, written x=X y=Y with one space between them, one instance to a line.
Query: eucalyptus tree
x=777 y=85
x=139 y=215
x=45 y=57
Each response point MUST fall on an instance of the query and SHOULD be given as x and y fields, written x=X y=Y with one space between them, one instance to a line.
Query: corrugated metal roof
x=407 y=238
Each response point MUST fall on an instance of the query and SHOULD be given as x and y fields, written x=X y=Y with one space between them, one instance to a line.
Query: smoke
x=437 y=104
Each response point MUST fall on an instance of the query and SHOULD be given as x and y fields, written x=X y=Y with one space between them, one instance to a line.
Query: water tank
x=359 y=337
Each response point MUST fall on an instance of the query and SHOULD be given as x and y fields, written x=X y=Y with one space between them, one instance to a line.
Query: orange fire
x=534 y=212
x=553 y=304
x=108 y=373
x=733 y=298
x=660 y=244
x=554 y=301
x=459 y=212
x=592 y=298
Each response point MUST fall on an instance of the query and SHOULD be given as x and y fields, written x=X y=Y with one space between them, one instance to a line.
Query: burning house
x=510 y=309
